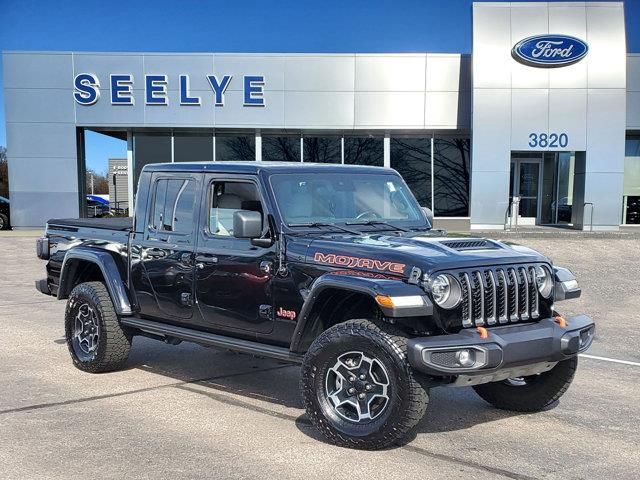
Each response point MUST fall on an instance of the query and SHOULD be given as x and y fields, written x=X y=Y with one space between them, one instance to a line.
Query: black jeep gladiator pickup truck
x=333 y=267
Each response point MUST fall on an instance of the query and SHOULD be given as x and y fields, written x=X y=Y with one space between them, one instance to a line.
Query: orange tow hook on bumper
x=484 y=333
x=560 y=320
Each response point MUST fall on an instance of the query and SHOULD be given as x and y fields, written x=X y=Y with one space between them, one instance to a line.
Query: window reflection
x=364 y=151
x=193 y=147
x=323 y=149
x=281 y=148
x=411 y=157
x=452 y=172
x=150 y=148
x=235 y=147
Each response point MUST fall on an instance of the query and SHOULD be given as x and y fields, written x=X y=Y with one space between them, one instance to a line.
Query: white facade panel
x=633 y=110
x=568 y=115
x=491 y=124
x=389 y=110
x=235 y=114
x=491 y=32
x=379 y=73
x=103 y=113
x=528 y=20
x=271 y=67
x=36 y=139
x=446 y=73
x=186 y=115
x=529 y=116
x=43 y=70
x=38 y=105
x=570 y=20
x=319 y=73
x=318 y=109
x=54 y=174
x=607 y=57
x=105 y=64
x=197 y=67
x=605 y=137
x=446 y=110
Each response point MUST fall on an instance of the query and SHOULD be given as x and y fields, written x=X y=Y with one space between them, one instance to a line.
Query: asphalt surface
x=192 y=412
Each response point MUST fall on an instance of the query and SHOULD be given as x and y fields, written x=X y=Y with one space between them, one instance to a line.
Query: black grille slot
x=465 y=244
x=492 y=296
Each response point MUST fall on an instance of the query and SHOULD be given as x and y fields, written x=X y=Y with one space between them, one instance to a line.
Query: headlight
x=544 y=281
x=446 y=291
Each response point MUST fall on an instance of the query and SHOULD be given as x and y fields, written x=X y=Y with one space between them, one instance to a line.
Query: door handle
x=154 y=253
x=202 y=259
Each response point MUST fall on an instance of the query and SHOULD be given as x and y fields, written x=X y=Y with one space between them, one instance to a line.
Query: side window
x=226 y=198
x=173 y=207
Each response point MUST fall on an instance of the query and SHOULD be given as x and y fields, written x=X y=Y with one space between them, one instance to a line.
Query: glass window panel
x=150 y=148
x=364 y=151
x=173 y=205
x=632 y=210
x=631 y=184
x=226 y=199
x=235 y=147
x=452 y=172
x=411 y=157
x=281 y=148
x=193 y=147
x=323 y=149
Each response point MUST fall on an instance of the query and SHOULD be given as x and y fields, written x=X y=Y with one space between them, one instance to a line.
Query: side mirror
x=247 y=224
x=428 y=214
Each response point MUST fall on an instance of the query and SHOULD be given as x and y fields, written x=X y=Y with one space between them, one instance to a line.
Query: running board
x=211 y=339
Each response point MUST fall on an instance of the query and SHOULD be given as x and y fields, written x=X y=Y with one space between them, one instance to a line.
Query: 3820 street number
x=551 y=140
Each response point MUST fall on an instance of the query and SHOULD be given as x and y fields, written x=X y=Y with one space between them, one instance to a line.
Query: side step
x=211 y=339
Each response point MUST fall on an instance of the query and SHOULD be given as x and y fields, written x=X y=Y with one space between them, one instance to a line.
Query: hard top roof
x=252 y=167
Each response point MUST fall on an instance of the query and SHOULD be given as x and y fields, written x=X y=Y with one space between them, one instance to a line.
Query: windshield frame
x=421 y=224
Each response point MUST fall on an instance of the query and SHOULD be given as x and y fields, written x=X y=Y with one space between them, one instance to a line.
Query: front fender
x=110 y=272
x=372 y=287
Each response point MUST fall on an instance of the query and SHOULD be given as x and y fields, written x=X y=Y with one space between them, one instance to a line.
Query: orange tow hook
x=484 y=333
x=560 y=320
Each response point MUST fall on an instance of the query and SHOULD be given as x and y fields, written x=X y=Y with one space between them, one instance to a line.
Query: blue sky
x=247 y=26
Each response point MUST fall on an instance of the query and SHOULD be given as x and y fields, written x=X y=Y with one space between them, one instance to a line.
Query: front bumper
x=507 y=352
x=43 y=287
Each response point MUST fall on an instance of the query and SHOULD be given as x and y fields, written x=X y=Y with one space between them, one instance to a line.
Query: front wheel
x=358 y=387
x=532 y=393
x=96 y=340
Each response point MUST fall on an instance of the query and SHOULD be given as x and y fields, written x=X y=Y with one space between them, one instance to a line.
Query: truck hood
x=397 y=255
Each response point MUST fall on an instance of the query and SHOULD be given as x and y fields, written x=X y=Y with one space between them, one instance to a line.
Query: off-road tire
x=113 y=344
x=543 y=389
x=408 y=396
x=4 y=222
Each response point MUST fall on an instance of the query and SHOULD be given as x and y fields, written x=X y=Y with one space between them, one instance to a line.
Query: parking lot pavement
x=190 y=412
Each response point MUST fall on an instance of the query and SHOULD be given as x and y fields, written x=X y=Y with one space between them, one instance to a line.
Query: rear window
x=173 y=205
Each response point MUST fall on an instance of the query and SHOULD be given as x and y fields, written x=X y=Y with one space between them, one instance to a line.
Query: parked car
x=336 y=268
x=5 y=216
x=97 y=207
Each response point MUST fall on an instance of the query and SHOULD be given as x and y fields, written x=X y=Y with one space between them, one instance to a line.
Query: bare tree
x=100 y=182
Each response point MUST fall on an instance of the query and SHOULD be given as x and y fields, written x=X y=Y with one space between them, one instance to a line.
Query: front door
x=162 y=254
x=524 y=188
x=233 y=277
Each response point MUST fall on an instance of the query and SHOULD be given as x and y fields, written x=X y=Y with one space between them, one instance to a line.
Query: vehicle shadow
x=217 y=373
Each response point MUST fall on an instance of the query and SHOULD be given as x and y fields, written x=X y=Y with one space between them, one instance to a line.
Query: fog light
x=466 y=358
x=585 y=338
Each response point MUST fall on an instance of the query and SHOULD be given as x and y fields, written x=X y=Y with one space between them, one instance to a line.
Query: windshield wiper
x=323 y=224
x=378 y=222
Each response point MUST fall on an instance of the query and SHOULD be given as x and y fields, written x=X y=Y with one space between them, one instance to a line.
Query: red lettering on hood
x=366 y=263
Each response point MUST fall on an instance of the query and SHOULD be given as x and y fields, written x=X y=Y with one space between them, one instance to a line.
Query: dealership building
x=540 y=125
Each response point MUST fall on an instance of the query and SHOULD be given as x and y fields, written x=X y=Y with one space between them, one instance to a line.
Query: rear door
x=233 y=277
x=163 y=273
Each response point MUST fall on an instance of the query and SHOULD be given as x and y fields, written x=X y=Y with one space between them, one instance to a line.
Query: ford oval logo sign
x=549 y=50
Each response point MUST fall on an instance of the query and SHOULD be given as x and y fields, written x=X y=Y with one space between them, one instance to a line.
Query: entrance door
x=525 y=184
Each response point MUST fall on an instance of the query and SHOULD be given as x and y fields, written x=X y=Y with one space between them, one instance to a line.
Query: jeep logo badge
x=549 y=51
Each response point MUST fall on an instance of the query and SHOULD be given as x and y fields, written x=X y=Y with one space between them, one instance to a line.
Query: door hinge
x=266 y=311
x=185 y=299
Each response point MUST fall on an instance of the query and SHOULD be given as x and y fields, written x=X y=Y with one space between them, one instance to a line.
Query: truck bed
x=123 y=224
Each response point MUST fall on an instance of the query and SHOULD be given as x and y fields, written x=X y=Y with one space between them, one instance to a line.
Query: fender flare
x=368 y=286
x=107 y=265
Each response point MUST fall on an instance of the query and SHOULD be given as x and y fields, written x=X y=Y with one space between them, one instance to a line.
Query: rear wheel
x=96 y=340
x=4 y=222
x=358 y=388
x=532 y=393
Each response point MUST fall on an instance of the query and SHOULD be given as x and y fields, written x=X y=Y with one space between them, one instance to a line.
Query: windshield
x=345 y=198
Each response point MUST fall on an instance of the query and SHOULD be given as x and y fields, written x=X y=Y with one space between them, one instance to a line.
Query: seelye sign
x=87 y=87
x=549 y=51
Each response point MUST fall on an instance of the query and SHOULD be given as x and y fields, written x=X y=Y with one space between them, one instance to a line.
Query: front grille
x=498 y=295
